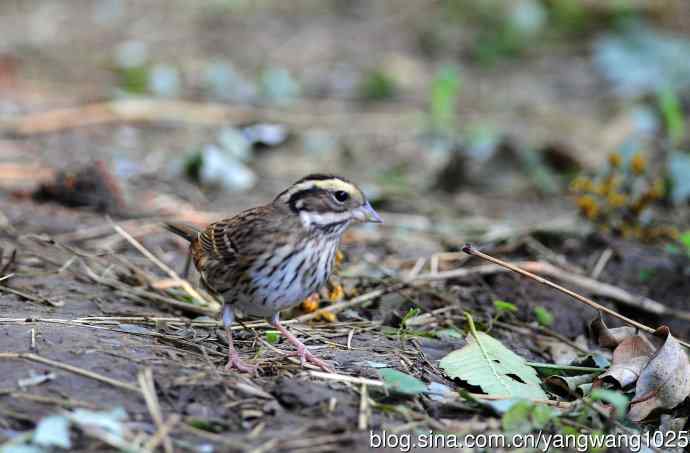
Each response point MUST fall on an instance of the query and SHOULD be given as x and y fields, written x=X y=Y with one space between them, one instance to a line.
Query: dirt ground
x=81 y=296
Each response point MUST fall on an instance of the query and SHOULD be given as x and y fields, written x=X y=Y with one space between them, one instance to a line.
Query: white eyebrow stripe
x=326 y=184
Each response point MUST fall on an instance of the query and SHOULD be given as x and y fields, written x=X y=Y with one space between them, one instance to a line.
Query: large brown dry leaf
x=609 y=338
x=629 y=358
x=665 y=381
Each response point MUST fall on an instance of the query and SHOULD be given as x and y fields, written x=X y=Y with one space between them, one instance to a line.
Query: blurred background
x=460 y=116
x=518 y=125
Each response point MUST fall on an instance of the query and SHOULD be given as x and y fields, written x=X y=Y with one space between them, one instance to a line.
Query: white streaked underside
x=277 y=286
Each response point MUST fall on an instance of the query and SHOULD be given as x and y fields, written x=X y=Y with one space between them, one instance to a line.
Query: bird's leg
x=302 y=351
x=234 y=360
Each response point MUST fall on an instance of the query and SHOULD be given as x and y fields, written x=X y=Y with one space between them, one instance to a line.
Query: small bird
x=270 y=258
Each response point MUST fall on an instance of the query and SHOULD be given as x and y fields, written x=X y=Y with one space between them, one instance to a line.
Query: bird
x=270 y=258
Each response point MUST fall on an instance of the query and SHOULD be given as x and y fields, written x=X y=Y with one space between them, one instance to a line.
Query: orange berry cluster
x=619 y=200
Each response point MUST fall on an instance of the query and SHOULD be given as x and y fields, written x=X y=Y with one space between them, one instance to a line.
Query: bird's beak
x=366 y=213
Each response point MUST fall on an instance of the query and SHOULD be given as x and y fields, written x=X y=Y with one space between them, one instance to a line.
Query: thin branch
x=474 y=252
x=183 y=283
x=71 y=368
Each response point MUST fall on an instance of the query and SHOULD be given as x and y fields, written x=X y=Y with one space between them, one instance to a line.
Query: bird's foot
x=302 y=351
x=306 y=356
x=235 y=363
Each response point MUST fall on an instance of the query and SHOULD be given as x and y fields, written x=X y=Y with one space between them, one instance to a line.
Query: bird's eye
x=341 y=196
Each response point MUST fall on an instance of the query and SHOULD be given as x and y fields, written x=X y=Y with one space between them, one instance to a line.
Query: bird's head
x=327 y=201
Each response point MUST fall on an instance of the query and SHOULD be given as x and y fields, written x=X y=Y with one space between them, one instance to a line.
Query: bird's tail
x=185 y=231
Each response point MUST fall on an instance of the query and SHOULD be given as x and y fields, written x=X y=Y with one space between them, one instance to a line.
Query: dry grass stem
x=148 y=388
x=472 y=251
x=211 y=304
x=73 y=369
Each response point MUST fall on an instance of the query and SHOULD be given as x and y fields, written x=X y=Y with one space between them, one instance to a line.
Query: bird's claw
x=235 y=363
x=306 y=356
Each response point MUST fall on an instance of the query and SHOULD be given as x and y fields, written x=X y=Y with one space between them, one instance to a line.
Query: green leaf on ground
x=672 y=111
x=272 y=336
x=524 y=417
x=445 y=89
x=503 y=306
x=486 y=363
x=616 y=399
x=377 y=85
x=544 y=316
x=400 y=382
x=685 y=240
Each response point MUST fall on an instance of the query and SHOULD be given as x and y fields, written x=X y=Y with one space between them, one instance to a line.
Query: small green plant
x=672 y=113
x=272 y=336
x=646 y=275
x=377 y=85
x=544 y=317
x=504 y=307
x=617 y=399
x=445 y=90
x=411 y=313
x=525 y=416
x=135 y=79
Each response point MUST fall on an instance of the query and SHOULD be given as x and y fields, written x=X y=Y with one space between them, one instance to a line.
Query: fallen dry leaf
x=629 y=358
x=610 y=338
x=665 y=380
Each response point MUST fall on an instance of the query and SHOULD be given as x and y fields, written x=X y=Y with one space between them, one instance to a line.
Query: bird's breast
x=285 y=277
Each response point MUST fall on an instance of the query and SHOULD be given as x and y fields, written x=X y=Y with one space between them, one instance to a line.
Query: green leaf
x=272 y=336
x=541 y=415
x=646 y=275
x=377 y=85
x=444 y=95
x=411 y=313
x=53 y=431
x=516 y=420
x=617 y=399
x=685 y=240
x=524 y=417
x=544 y=316
x=670 y=107
x=397 y=381
x=486 y=363
x=503 y=306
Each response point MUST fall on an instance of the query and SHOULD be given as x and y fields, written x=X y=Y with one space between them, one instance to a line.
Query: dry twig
x=474 y=252
x=71 y=368
x=211 y=304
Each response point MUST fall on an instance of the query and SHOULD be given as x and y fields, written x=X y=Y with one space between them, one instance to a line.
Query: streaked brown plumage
x=269 y=258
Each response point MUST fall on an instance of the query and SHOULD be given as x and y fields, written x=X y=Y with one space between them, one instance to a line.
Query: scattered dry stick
x=162 y=435
x=31 y=297
x=593 y=286
x=70 y=368
x=148 y=388
x=211 y=304
x=363 y=420
x=62 y=402
x=474 y=252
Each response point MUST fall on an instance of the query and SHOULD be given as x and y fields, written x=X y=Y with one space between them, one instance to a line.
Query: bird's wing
x=217 y=240
x=236 y=238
